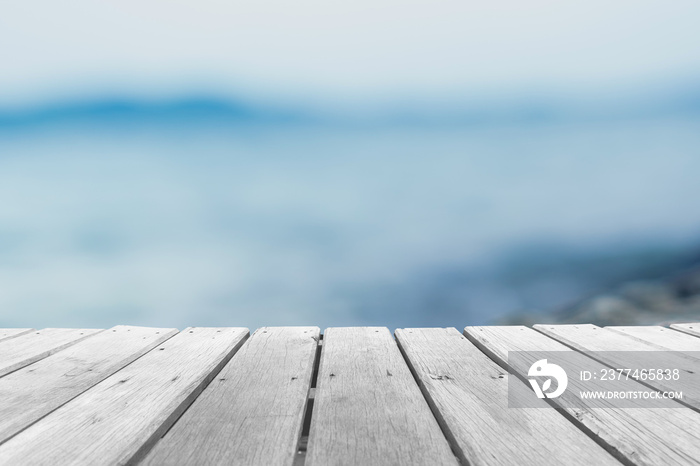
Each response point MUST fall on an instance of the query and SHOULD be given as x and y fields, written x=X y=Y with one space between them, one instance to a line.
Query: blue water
x=177 y=224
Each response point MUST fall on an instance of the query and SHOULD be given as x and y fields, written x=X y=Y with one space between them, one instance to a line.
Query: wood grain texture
x=32 y=392
x=589 y=337
x=120 y=418
x=368 y=408
x=469 y=396
x=690 y=329
x=668 y=436
x=660 y=336
x=252 y=412
x=619 y=350
x=28 y=348
x=7 y=333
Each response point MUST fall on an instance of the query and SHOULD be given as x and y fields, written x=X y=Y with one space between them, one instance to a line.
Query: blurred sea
x=205 y=213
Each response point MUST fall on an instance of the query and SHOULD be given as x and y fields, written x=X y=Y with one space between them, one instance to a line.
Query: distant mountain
x=459 y=112
x=132 y=111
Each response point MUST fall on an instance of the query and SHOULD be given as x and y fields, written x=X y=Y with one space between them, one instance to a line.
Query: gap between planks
x=300 y=458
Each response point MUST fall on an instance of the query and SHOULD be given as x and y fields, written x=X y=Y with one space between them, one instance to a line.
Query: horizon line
x=194 y=107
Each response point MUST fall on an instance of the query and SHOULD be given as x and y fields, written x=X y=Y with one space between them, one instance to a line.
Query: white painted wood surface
x=7 y=333
x=120 y=418
x=664 y=337
x=32 y=392
x=469 y=395
x=252 y=412
x=23 y=350
x=368 y=408
x=668 y=436
x=690 y=329
x=619 y=350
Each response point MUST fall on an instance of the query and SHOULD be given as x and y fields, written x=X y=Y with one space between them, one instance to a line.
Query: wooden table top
x=293 y=396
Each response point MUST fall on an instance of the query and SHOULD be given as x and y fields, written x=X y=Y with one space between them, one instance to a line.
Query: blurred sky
x=342 y=51
x=416 y=163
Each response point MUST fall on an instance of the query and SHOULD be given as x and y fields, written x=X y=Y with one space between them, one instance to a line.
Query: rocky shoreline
x=641 y=302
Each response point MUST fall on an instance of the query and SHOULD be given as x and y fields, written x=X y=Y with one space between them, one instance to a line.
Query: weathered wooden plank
x=660 y=336
x=368 y=408
x=469 y=396
x=588 y=337
x=120 y=418
x=618 y=350
x=669 y=436
x=26 y=349
x=7 y=333
x=690 y=329
x=32 y=392
x=252 y=412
